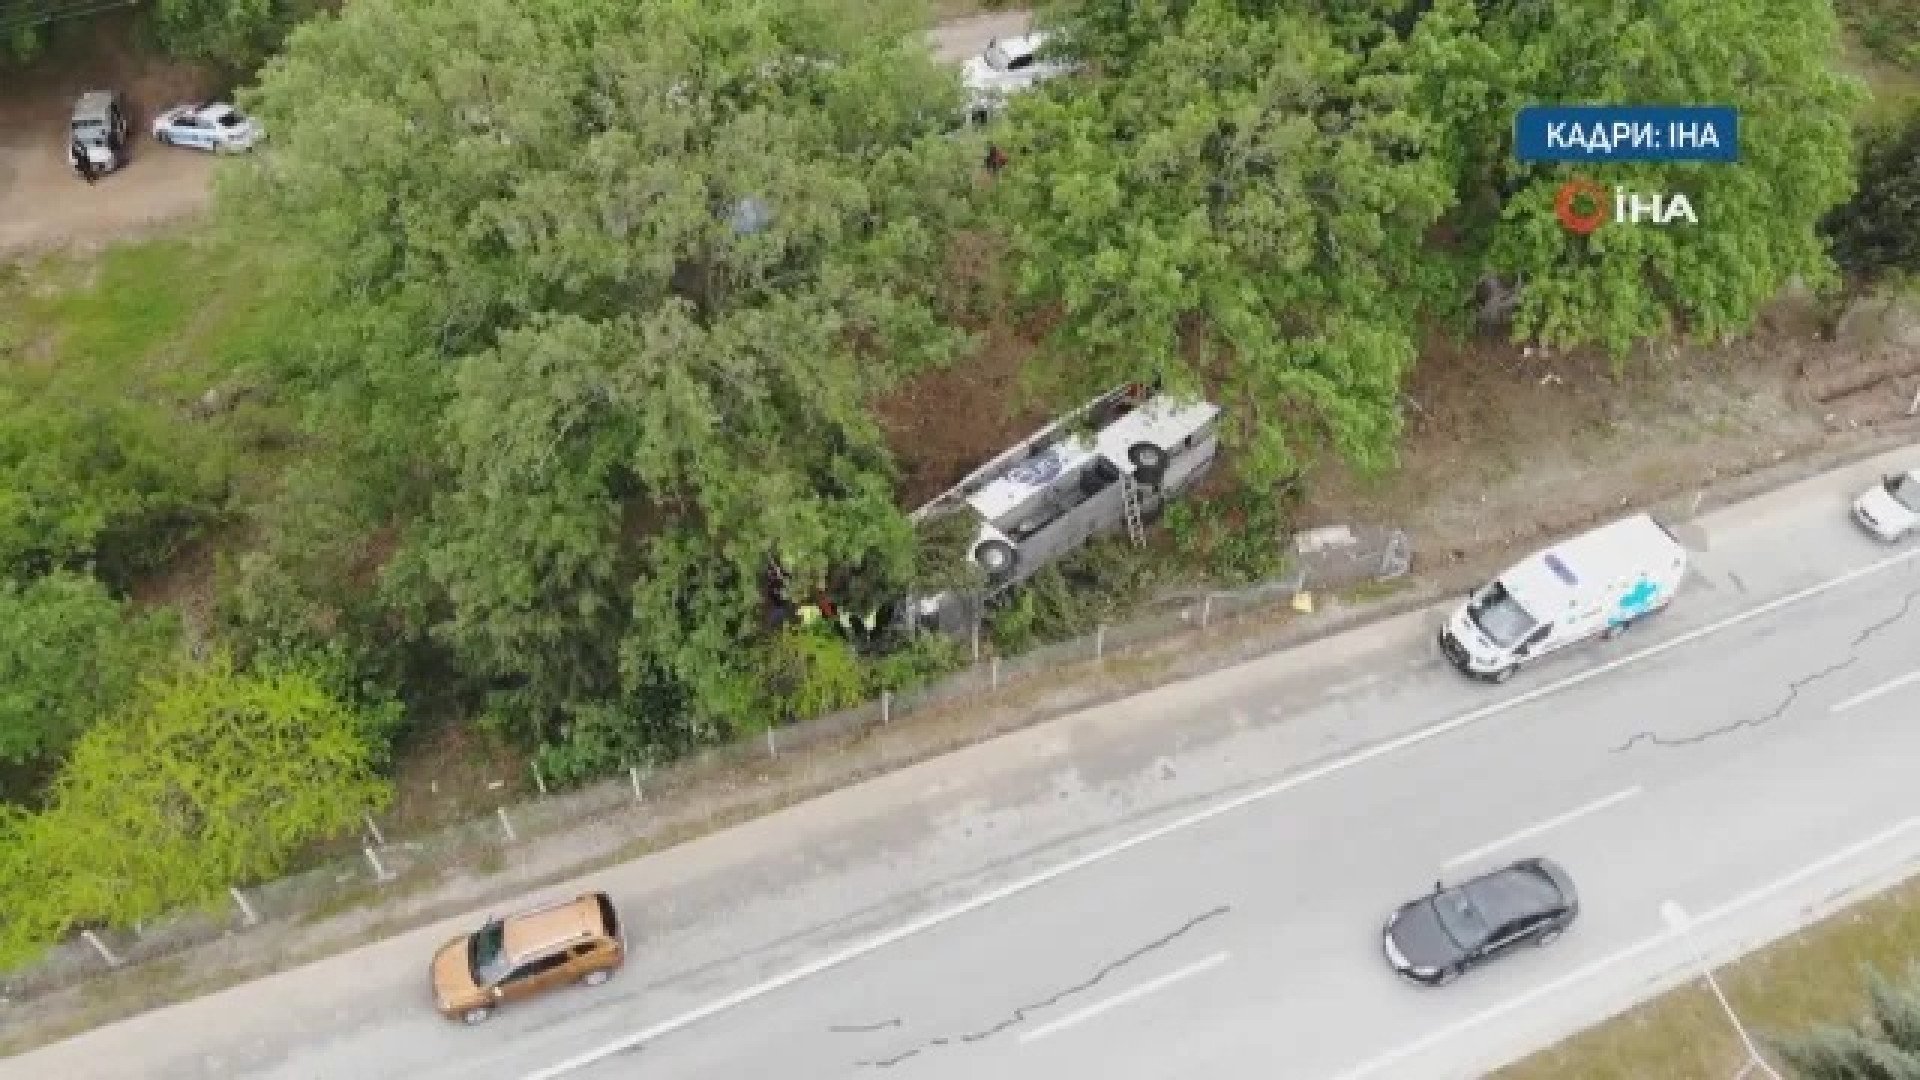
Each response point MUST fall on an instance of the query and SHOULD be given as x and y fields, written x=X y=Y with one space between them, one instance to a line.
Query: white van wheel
x=1504 y=673
x=1614 y=630
x=1149 y=463
x=996 y=557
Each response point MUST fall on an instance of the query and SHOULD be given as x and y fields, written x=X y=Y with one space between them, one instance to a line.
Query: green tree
x=941 y=562
x=609 y=286
x=215 y=777
x=86 y=480
x=1773 y=61
x=1239 y=201
x=1889 y=29
x=1884 y=1047
x=1878 y=231
x=301 y=597
x=810 y=671
x=236 y=34
x=70 y=653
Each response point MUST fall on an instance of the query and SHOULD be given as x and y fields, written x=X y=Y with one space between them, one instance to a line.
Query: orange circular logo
x=1566 y=206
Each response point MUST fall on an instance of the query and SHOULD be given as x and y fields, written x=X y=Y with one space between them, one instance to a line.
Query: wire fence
x=560 y=831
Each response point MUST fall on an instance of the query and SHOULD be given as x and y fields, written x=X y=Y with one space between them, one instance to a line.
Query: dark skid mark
x=1793 y=689
x=1021 y=1013
x=855 y=1029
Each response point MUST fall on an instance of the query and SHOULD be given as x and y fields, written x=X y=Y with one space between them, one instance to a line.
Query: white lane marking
x=1587 y=973
x=1532 y=831
x=1289 y=783
x=1884 y=688
x=1120 y=999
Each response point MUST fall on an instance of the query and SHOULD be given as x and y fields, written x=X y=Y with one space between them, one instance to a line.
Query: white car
x=1890 y=510
x=213 y=125
x=1008 y=66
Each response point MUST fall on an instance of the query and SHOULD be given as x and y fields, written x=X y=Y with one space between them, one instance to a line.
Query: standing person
x=996 y=159
x=82 y=161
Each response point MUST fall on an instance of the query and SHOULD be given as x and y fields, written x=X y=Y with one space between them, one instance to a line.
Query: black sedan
x=1435 y=938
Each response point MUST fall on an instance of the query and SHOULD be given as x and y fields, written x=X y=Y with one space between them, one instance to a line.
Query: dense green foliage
x=610 y=285
x=1889 y=29
x=1886 y=1046
x=212 y=778
x=69 y=654
x=1245 y=196
x=1241 y=203
x=1758 y=221
x=233 y=34
x=128 y=421
x=1878 y=231
x=93 y=483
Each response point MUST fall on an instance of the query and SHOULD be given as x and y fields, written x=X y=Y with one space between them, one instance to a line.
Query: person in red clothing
x=996 y=159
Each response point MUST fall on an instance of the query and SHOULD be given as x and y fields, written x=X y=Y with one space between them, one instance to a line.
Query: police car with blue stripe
x=214 y=126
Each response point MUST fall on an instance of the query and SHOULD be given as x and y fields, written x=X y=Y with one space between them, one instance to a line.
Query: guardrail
x=634 y=805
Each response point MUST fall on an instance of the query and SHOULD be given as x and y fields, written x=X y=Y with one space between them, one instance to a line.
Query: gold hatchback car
x=578 y=940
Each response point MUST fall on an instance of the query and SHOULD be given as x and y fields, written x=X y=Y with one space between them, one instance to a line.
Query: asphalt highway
x=1246 y=943
x=1191 y=883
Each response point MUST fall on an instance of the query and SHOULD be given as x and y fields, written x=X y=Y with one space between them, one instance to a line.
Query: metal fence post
x=1914 y=405
x=1100 y=642
x=373 y=830
x=246 y=910
x=773 y=748
x=380 y=873
x=506 y=825
x=634 y=772
x=994 y=673
x=886 y=707
x=1206 y=611
x=100 y=947
x=539 y=781
x=976 y=642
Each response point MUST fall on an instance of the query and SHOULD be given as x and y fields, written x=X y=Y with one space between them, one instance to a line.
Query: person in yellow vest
x=858 y=627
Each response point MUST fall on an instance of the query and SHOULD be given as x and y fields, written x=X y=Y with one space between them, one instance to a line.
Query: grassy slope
x=139 y=334
x=1811 y=978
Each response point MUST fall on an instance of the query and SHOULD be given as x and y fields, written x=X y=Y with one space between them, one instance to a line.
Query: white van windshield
x=1905 y=490
x=1499 y=616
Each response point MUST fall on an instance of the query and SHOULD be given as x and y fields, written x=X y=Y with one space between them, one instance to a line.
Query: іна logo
x=1581 y=206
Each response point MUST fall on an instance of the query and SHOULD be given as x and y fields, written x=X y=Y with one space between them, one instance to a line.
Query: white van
x=1599 y=583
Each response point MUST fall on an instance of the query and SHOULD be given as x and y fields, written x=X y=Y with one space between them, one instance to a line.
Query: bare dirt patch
x=42 y=203
x=944 y=424
x=1503 y=444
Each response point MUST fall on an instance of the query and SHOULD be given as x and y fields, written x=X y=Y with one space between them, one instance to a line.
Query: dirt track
x=42 y=203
